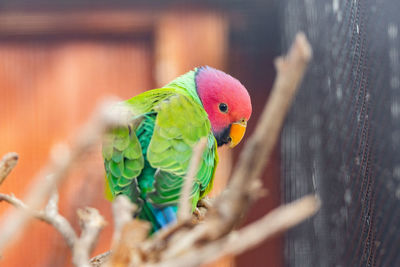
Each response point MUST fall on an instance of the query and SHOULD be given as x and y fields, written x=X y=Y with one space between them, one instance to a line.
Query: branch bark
x=185 y=207
x=91 y=223
x=7 y=163
x=123 y=210
x=258 y=148
x=49 y=215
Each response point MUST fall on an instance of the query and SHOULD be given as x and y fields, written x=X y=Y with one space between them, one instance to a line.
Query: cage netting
x=342 y=136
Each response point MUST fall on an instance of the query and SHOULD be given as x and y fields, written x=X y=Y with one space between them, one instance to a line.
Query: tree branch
x=91 y=223
x=49 y=215
x=123 y=210
x=245 y=180
x=7 y=163
x=100 y=259
x=185 y=207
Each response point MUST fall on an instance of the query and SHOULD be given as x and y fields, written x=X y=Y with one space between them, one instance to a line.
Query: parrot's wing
x=122 y=151
x=180 y=124
x=146 y=101
x=123 y=160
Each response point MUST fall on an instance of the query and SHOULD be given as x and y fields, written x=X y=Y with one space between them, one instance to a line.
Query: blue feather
x=165 y=216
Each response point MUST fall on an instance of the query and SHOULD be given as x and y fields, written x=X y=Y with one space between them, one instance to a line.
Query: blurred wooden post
x=187 y=40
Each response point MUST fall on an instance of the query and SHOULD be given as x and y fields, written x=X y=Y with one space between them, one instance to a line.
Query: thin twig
x=100 y=259
x=185 y=208
x=50 y=215
x=127 y=252
x=91 y=223
x=7 y=163
x=123 y=210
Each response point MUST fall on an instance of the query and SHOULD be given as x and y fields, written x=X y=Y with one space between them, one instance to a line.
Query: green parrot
x=147 y=159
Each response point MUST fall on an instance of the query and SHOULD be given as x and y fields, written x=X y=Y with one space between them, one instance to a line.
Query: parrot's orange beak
x=237 y=132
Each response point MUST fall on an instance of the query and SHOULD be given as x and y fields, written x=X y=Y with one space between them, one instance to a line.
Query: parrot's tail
x=165 y=216
x=159 y=217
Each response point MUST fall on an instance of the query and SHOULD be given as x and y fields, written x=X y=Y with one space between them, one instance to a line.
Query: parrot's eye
x=223 y=107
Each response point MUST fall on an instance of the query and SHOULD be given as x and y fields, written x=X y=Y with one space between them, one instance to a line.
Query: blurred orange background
x=57 y=64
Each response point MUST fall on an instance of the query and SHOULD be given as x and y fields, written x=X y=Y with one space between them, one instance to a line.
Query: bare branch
x=290 y=71
x=50 y=215
x=100 y=259
x=185 y=208
x=245 y=184
x=7 y=163
x=21 y=205
x=123 y=210
x=127 y=251
x=278 y=220
x=91 y=223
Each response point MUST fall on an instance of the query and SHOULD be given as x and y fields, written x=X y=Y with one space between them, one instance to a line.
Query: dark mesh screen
x=342 y=136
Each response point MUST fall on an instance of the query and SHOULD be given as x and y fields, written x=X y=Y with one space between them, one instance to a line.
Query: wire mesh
x=342 y=136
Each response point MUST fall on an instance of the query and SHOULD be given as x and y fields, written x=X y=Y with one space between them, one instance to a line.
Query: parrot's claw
x=205 y=202
x=202 y=207
x=199 y=213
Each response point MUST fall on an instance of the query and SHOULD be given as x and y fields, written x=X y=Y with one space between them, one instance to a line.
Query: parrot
x=148 y=158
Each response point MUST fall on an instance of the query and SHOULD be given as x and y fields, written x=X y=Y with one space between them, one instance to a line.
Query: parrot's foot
x=199 y=213
x=205 y=202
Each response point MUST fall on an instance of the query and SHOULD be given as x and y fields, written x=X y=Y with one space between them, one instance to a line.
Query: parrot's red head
x=226 y=102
